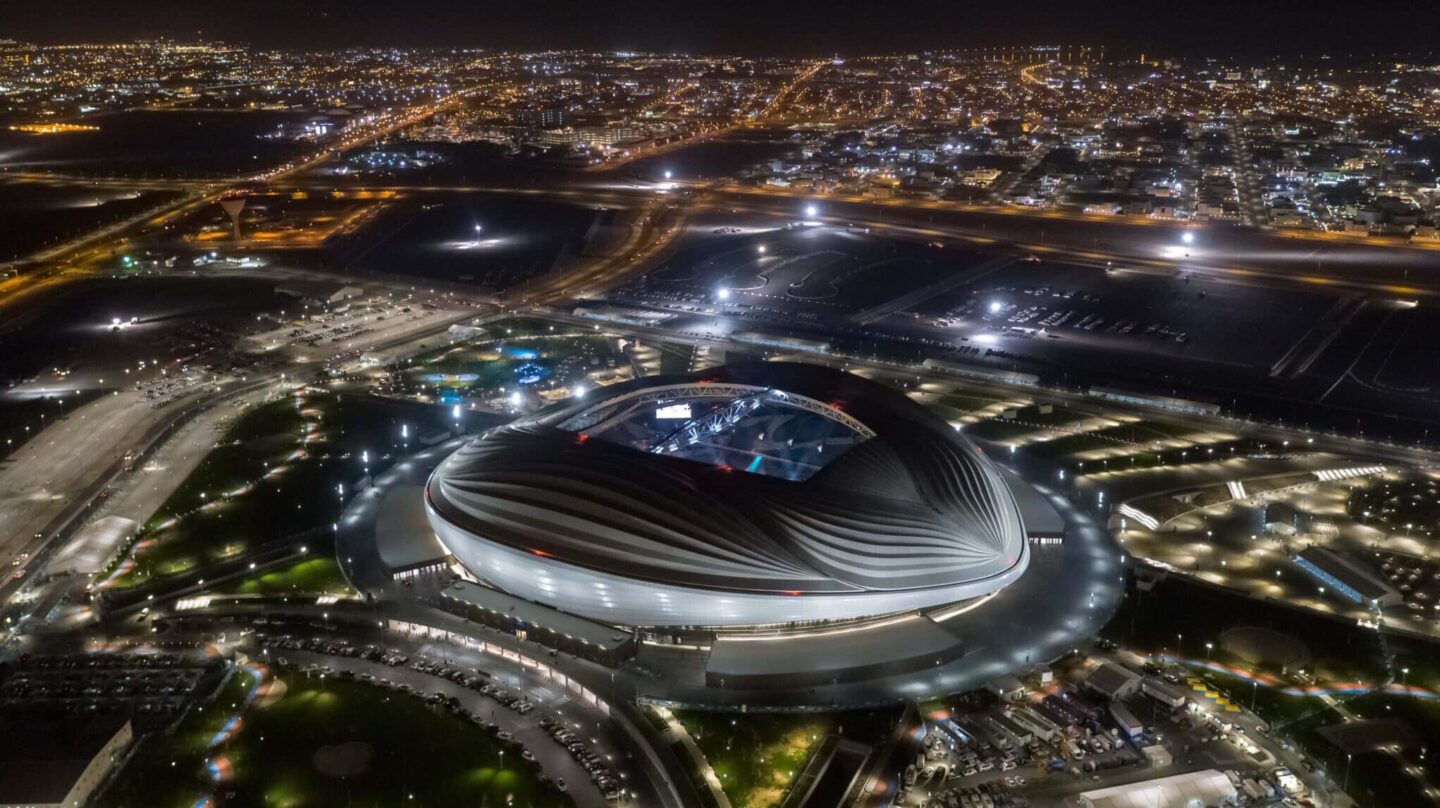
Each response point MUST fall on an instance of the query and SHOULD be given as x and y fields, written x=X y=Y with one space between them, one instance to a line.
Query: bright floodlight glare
x=761 y=248
x=995 y=307
x=1188 y=238
x=455 y=412
x=478 y=228
x=515 y=399
x=579 y=391
x=722 y=293
x=812 y=211
x=114 y=321
x=667 y=173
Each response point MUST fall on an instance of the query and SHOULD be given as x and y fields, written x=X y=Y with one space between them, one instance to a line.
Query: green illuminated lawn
x=315 y=576
x=253 y=490
x=756 y=757
x=409 y=753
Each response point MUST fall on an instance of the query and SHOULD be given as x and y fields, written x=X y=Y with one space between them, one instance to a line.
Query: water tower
x=233 y=206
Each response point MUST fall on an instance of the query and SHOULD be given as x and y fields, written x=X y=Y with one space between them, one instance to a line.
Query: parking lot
x=538 y=720
x=153 y=689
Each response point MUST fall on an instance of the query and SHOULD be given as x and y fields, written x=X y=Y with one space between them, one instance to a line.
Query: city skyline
x=803 y=424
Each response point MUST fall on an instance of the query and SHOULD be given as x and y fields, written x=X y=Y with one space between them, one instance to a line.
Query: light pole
x=1348 y=758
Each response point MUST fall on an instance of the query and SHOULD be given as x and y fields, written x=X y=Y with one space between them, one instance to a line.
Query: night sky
x=806 y=27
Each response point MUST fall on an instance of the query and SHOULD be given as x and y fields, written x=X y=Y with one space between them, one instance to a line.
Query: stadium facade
x=747 y=495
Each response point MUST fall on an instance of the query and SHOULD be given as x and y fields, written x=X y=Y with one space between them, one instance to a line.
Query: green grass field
x=313 y=576
x=253 y=490
x=398 y=751
x=757 y=757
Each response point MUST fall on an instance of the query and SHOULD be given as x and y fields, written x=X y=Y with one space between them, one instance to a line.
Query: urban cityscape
x=984 y=426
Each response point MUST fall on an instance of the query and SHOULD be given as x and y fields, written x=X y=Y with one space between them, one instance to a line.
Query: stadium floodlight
x=722 y=293
x=812 y=211
x=1188 y=237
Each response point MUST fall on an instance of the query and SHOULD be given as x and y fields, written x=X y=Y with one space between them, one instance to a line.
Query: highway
x=1220 y=251
x=54 y=261
x=51 y=483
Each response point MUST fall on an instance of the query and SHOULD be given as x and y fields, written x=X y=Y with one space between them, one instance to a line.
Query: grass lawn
x=330 y=743
x=315 y=576
x=756 y=757
x=275 y=475
x=169 y=771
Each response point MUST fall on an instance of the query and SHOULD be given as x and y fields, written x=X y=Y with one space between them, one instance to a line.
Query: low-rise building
x=1207 y=788
x=1348 y=578
x=1113 y=681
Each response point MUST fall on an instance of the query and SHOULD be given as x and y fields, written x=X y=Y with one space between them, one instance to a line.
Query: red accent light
x=725 y=468
x=540 y=553
x=791 y=592
x=582 y=437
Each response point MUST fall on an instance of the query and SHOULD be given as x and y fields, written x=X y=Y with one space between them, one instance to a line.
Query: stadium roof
x=902 y=502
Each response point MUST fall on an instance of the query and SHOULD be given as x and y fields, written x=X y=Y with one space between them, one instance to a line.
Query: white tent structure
x=1202 y=789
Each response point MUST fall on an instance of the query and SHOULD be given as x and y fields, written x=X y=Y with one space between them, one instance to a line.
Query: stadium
x=768 y=494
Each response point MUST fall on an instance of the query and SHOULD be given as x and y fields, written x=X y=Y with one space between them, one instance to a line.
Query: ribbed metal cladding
x=914 y=516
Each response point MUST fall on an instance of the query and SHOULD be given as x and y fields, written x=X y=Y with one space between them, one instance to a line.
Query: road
x=553 y=759
x=54 y=260
x=54 y=471
x=47 y=483
x=1221 y=252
